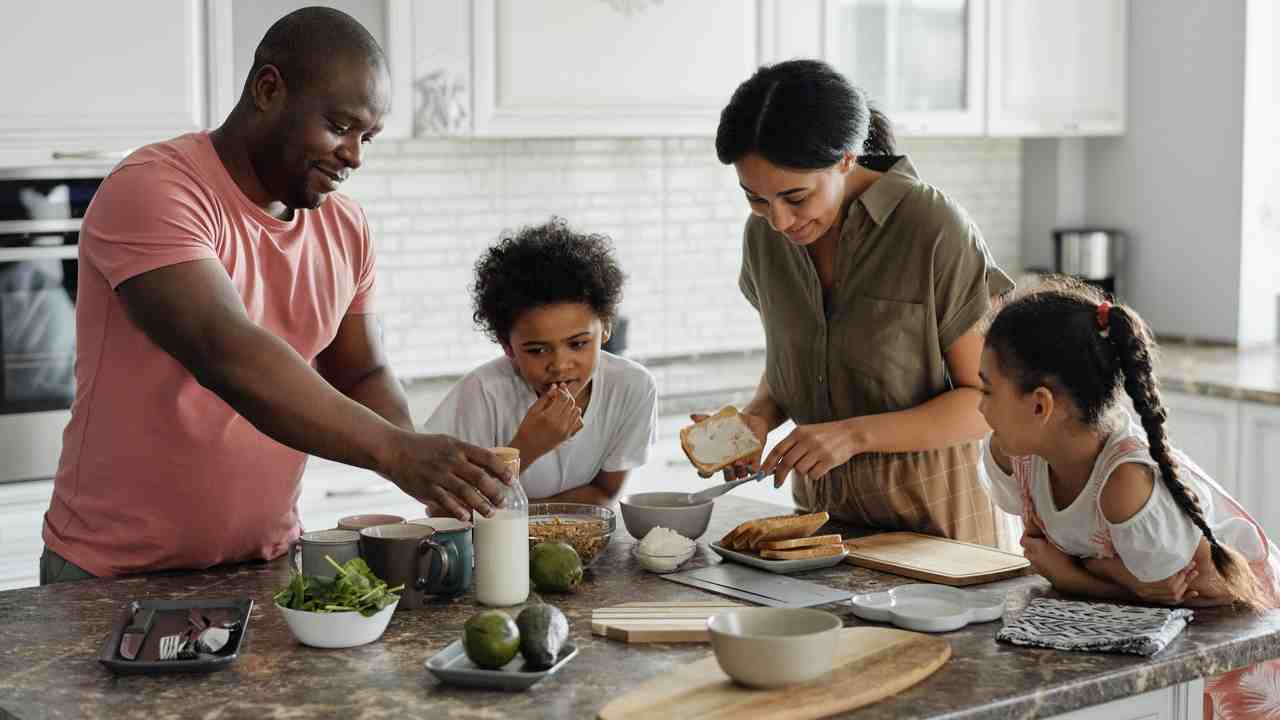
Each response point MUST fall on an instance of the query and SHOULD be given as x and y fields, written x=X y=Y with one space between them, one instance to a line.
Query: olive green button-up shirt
x=912 y=275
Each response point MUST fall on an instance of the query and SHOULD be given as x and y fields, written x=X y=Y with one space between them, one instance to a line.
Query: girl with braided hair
x=1111 y=510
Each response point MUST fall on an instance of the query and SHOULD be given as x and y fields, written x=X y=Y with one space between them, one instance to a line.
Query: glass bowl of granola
x=585 y=528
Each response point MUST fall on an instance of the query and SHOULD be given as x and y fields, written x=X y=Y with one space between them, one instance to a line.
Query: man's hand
x=743 y=468
x=812 y=451
x=554 y=418
x=448 y=475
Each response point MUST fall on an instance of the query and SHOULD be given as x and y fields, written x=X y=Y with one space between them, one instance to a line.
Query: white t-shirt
x=487 y=405
x=1159 y=540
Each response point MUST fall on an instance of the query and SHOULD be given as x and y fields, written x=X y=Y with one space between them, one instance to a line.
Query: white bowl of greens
x=353 y=608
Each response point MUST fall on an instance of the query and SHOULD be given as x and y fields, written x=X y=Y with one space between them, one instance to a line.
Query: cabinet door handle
x=91 y=154
x=364 y=491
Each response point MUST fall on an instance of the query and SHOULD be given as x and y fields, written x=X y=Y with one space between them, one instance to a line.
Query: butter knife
x=134 y=635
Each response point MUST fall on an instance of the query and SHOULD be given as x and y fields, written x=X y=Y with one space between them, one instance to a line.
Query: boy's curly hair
x=543 y=265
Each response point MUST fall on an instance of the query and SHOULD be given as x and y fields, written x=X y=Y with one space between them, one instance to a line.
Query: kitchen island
x=53 y=636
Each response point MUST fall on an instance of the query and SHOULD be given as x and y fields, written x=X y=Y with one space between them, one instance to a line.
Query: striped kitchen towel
x=1095 y=627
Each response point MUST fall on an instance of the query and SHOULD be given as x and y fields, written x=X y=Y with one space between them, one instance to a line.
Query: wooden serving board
x=666 y=622
x=871 y=664
x=934 y=559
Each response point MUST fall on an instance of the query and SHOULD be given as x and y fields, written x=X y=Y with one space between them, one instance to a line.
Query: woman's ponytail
x=880 y=140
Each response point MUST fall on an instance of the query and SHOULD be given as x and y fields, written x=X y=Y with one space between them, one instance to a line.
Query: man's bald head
x=304 y=44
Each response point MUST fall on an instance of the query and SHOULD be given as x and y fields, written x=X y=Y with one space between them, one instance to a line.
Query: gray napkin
x=1095 y=627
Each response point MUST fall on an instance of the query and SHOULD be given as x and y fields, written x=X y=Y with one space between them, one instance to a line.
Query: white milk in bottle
x=502 y=543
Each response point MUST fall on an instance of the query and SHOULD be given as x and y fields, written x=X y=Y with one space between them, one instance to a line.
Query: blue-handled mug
x=455 y=535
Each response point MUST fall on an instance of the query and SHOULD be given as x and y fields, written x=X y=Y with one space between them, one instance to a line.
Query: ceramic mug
x=410 y=555
x=456 y=533
x=312 y=547
x=360 y=522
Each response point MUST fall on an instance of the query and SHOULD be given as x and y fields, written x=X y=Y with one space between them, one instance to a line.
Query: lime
x=491 y=639
x=555 y=567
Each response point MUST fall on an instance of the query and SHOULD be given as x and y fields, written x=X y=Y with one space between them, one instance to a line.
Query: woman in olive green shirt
x=870 y=284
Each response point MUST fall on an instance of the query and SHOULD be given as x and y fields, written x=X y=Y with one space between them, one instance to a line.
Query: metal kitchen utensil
x=759 y=587
x=171 y=645
x=717 y=490
x=134 y=635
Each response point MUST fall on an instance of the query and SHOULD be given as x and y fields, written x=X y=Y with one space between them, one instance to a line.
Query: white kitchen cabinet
x=22 y=508
x=236 y=28
x=92 y=80
x=1207 y=429
x=582 y=68
x=1176 y=702
x=1260 y=464
x=1056 y=68
x=923 y=62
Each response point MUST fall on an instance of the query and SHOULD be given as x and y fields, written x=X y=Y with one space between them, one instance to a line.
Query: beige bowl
x=771 y=647
x=642 y=512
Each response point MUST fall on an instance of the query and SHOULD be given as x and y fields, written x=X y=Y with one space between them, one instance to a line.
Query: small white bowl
x=338 y=629
x=772 y=647
x=926 y=607
x=663 y=564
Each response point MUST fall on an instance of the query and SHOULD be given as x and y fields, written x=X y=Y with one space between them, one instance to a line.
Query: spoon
x=717 y=490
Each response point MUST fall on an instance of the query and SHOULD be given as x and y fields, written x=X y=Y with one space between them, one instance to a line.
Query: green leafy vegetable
x=354 y=589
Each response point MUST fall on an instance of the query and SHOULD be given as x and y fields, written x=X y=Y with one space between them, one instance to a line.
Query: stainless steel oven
x=40 y=215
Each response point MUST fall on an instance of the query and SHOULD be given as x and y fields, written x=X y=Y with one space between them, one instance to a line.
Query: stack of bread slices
x=784 y=537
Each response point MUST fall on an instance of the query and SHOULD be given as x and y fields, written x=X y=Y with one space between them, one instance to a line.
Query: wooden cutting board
x=666 y=622
x=871 y=664
x=934 y=559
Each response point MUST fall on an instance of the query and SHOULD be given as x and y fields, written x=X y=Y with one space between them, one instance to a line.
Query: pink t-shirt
x=156 y=471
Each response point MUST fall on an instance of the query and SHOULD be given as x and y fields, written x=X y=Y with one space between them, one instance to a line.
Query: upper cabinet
x=1057 y=68
x=921 y=61
x=607 y=67
x=236 y=28
x=88 y=81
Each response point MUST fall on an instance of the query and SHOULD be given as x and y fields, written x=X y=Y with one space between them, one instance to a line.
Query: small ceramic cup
x=360 y=522
x=312 y=547
x=408 y=554
x=457 y=535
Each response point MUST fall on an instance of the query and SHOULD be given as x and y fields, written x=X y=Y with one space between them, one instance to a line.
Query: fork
x=170 y=646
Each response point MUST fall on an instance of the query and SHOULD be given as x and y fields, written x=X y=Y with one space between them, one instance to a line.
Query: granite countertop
x=53 y=635
x=691 y=383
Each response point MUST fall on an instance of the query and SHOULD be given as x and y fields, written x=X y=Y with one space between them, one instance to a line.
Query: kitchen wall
x=674 y=213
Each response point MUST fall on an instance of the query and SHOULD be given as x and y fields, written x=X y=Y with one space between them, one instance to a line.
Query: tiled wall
x=674 y=213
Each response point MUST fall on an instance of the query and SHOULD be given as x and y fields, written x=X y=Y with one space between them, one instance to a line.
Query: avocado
x=555 y=567
x=543 y=631
x=490 y=639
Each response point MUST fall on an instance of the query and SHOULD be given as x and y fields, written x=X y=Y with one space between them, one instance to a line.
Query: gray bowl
x=642 y=512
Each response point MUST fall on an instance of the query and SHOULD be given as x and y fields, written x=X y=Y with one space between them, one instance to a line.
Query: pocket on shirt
x=886 y=344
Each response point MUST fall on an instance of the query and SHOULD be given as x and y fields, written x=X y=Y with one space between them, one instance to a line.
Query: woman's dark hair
x=800 y=114
x=1052 y=337
x=543 y=265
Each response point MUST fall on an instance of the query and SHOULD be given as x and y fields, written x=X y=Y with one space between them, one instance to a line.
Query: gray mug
x=341 y=545
x=406 y=554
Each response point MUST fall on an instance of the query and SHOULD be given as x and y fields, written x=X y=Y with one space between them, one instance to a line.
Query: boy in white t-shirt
x=582 y=418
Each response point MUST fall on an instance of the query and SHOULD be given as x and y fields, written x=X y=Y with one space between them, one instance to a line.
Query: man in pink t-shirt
x=225 y=329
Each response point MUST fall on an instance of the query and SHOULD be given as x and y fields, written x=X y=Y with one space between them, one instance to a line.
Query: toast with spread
x=718 y=441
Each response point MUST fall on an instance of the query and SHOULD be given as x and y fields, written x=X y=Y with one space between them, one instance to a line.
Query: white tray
x=929 y=608
x=780 y=566
x=451 y=666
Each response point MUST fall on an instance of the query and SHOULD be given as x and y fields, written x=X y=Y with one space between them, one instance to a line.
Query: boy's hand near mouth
x=554 y=418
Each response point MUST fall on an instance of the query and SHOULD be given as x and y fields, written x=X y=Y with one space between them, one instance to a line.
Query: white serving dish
x=929 y=608
x=772 y=647
x=780 y=566
x=338 y=629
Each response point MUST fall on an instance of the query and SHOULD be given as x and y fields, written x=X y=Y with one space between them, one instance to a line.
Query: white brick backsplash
x=673 y=212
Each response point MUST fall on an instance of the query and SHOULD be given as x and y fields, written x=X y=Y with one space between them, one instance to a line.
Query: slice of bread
x=750 y=534
x=816 y=551
x=718 y=441
x=800 y=542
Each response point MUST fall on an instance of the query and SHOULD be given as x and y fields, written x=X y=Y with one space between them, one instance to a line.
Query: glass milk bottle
x=502 y=542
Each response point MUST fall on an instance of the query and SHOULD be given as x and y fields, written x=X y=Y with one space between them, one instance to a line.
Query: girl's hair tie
x=1104 y=318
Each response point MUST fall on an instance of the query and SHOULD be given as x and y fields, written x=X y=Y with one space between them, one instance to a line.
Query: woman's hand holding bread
x=746 y=466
